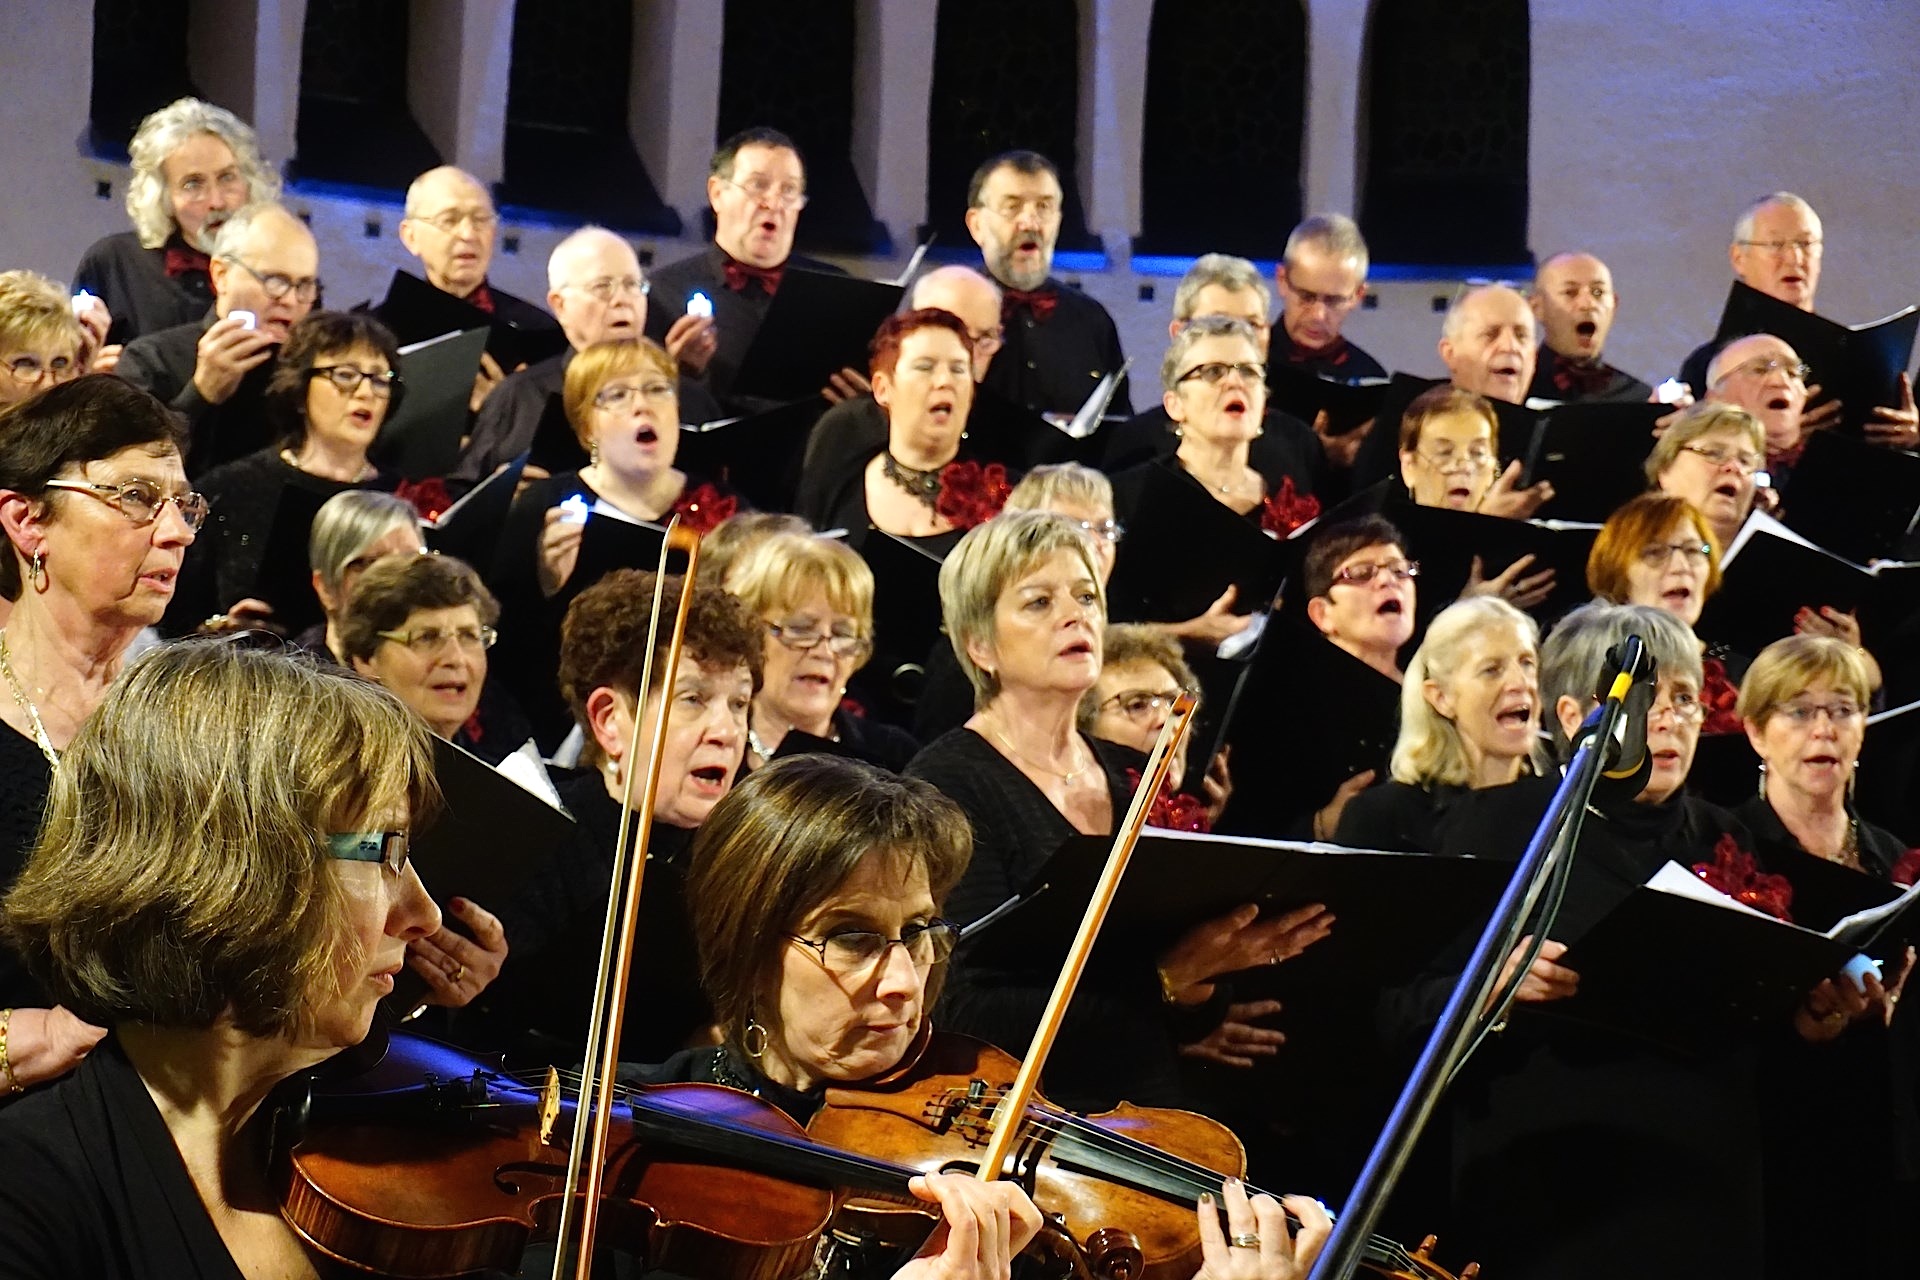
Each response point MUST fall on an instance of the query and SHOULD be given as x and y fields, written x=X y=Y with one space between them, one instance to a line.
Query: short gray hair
x=1452 y=322
x=1743 y=227
x=1429 y=751
x=163 y=133
x=1334 y=234
x=1574 y=658
x=232 y=236
x=1192 y=332
x=1229 y=273
x=347 y=524
x=1061 y=482
x=985 y=563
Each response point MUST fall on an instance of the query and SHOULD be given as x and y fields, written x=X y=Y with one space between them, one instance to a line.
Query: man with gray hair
x=212 y=371
x=1322 y=277
x=192 y=165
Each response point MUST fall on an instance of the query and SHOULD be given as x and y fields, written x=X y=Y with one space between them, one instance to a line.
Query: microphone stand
x=1455 y=1034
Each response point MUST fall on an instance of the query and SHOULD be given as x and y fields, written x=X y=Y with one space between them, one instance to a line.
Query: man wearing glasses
x=757 y=186
x=1322 y=278
x=211 y=372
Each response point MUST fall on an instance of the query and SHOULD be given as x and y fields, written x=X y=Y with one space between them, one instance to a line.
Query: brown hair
x=1440 y=401
x=320 y=335
x=394 y=588
x=1127 y=642
x=1335 y=544
x=1635 y=525
x=196 y=885
x=781 y=842
x=600 y=364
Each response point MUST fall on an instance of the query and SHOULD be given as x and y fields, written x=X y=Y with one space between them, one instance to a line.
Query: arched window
x=355 y=125
x=1446 y=154
x=993 y=92
x=789 y=67
x=1225 y=109
x=567 y=145
x=139 y=66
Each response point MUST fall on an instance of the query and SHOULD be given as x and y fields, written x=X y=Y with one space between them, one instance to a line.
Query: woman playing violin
x=233 y=917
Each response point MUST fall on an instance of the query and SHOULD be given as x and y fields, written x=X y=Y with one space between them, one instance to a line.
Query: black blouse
x=25 y=781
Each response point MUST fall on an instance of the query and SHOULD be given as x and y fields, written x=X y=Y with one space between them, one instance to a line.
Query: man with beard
x=212 y=371
x=1322 y=277
x=1059 y=342
x=757 y=186
x=1574 y=301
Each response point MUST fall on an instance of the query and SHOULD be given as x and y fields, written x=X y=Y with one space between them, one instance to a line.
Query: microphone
x=1630 y=676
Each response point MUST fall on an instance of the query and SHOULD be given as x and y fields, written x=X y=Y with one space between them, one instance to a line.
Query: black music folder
x=612 y=542
x=470 y=528
x=1348 y=405
x=416 y=311
x=1394 y=912
x=423 y=437
x=1859 y=500
x=1445 y=542
x=906 y=597
x=1767 y=576
x=817 y=324
x=1888 y=789
x=285 y=576
x=1380 y=453
x=998 y=430
x=1593 y=453
x=757 y=456
x=1183 y=549
x=1860 y=365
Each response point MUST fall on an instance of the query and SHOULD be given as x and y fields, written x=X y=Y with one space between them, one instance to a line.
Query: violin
x=1121 y=1186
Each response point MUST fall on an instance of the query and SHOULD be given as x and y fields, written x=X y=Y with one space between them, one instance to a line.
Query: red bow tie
x=1580 y=377
x=736 y=275
x=481 y=297
x=1039 y=302
x=1335 y=355
x=182 y=261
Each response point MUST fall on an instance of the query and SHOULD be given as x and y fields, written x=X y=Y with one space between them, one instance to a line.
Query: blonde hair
x=182 y=872
x=1702 y=419
x=1070 y=482
x=1129 y=642
x=160 y=135
x=988 y=560
x=1786 y=668
x=782 y=570
x=1429 y=751
x=34 y=309
x=600 y=364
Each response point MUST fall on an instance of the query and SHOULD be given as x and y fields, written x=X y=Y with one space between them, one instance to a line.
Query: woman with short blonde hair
x=41 y=344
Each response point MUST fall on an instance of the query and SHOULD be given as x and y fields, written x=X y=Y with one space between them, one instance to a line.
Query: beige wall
x=1654 y=121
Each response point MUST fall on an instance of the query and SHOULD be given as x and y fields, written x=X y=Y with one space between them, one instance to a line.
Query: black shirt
x=25 y=781
x=1053 y=365
x=1570 y=381
x=1343 y=360
x=162 y=363
x=857 y=738
x=132 y=280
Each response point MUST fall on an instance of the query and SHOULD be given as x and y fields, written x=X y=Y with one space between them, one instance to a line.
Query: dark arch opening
x=355 y=126
x=139 y=66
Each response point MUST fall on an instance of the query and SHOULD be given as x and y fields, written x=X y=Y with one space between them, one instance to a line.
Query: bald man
x=1574 y=300
x=597 y=292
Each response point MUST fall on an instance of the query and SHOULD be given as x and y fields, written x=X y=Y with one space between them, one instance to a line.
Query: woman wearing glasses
x=41 y=344
x=97 y=515
x=331 y=389
x=1142 y=671
x=1710 y=457
x=815 y=596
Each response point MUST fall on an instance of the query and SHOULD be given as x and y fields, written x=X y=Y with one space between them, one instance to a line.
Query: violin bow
x=588 y=1151
x=1013 y=1107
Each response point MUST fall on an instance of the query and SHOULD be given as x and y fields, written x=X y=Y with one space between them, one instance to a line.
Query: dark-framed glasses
x=1359 y=575
x=30 y=369
x=786 y=195
x=426 y=640
x=1214 y=372
x=388 y=848
x=1142 y=704
x=278 y=286
x=346 y=378
x=1655 y=555
x=140 y=500
x=853 y=953
x=802 y=637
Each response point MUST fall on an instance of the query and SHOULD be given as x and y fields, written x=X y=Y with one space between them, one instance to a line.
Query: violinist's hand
x=559 y=551
x=1213 y=626
x=1236 y=1042
x=1340 y=450
x=1507 y=498
x=1217 y=786
x=1897 y=428
x=458 y=968
x=983 y=1227
x=1267 y=1250
x=1545 y=980
x=847 y=384
x=1327 y=820
x=1237 y=941
x=45 y=1044
x=1523 y=593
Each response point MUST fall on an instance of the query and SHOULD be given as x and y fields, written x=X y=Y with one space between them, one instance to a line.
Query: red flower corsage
x=1286 y=510
x=971 y=494
x=1173 y=810
x=704 y=507
x=429 y=497
x=1907 y=869
x=1719 y=696
x=1734 y=873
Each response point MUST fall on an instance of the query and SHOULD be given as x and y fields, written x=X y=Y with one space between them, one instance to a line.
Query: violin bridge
x=549 y=1106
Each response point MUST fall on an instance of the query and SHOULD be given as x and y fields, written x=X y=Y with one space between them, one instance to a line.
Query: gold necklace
x=1050 y=772
x=26 y=704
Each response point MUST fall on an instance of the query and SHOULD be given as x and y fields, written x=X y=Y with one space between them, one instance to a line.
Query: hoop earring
x=754 y=1048
x=37 y=571
x=1763 y=780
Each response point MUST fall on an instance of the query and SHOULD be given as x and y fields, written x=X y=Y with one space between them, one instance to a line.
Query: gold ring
x=459 y=972
x=1246 y=1240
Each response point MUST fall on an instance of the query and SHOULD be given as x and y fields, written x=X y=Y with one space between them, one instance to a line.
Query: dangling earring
x=37 y=570
x=593 y=454
x=1853 y=779
x=1763 y=779
x=753 y=1047
x=611 y=767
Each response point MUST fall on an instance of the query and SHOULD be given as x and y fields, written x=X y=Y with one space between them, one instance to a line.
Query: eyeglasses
x=1215 y=372
x=1682 y=704
x=1808 y=245
x=277 y=286
x=30 y=369
x=1359 y=575
x=226 y=180
x=1141 y=705
x=840 y=644
x=1801 y=715
x=620 y=395
x=140 y=500
x=607 y=288
x=1335 y=302
x=995 y=337
x=1471 y=460
x=1799 y=371
x=346 y=379
x=448 y=220
x=853 y=953
x=1719 y=456
x=388 y=848
x=788 y=195
x=1655 y=555
x=426 y=640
